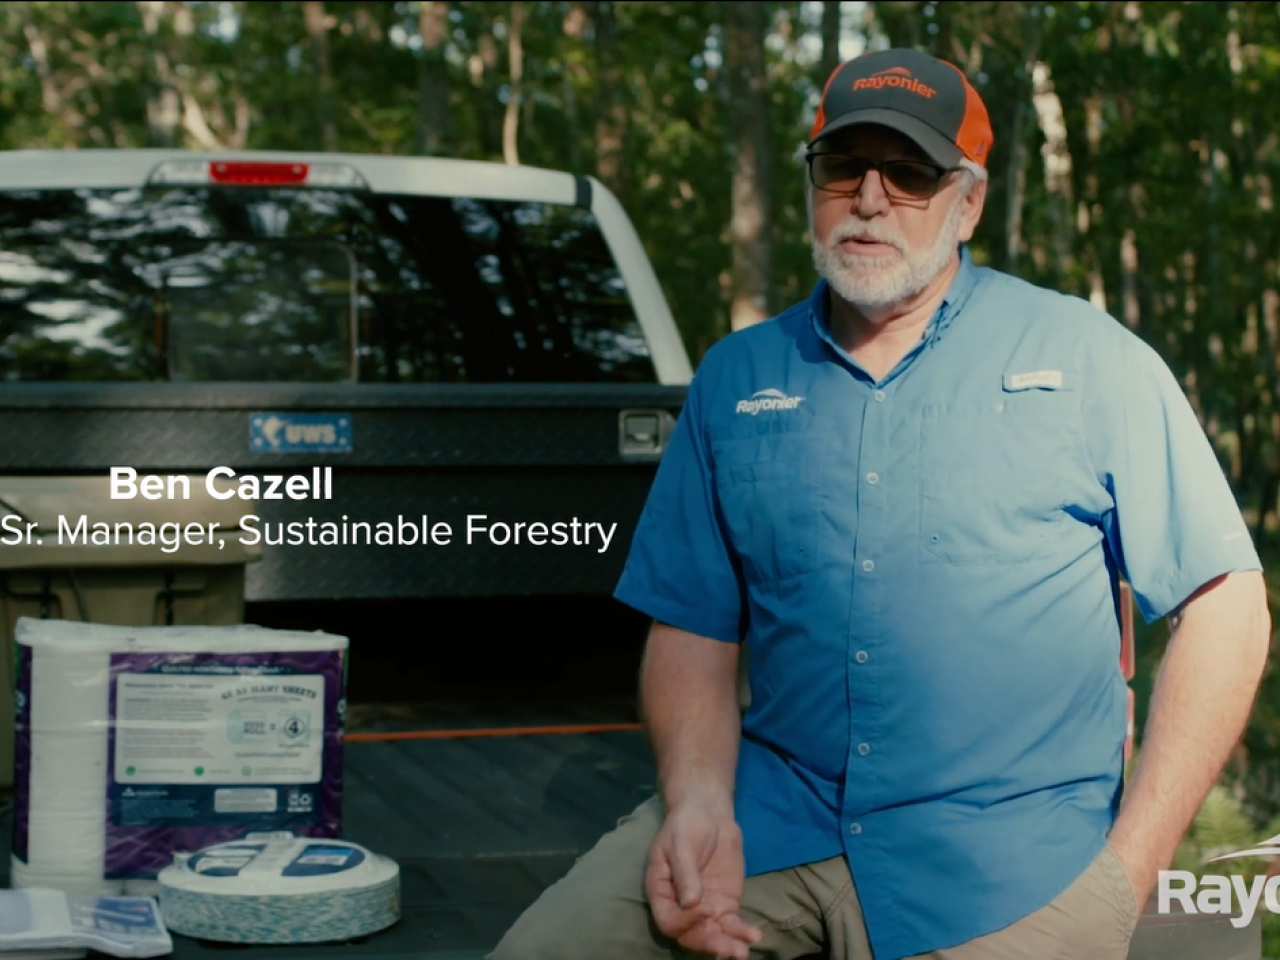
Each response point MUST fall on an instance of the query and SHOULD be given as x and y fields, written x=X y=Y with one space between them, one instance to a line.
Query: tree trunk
x=515 y=57
x=1057 y=165
x=611 y=119
x=318 y=32
x=482 y=66
x=433 y=77
x=575 y=72
x=830 y=39
x=1093 y=110
x=1129 y=279
x=1016 y=197
x=751 y=226
x=943 y=39
x=164 y=105
x=50 y=98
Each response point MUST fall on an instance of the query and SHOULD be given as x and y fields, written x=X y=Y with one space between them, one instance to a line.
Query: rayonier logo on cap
x=894 y=77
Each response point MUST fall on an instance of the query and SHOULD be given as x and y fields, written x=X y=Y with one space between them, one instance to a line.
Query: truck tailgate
x=514 y=454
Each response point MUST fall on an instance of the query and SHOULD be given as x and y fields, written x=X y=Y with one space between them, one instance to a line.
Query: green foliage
x=1221 y=826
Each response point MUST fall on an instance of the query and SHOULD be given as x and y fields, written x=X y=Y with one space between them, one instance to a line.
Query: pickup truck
x=456 y=350
x=481 y=355
x=437 y=384
x=467 y=370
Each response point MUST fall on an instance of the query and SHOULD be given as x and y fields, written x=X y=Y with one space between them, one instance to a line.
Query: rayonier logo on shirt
x=1212 y=893
x=763 y=400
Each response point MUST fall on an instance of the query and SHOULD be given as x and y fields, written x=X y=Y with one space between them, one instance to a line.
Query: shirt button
x=861 y=656
x=855 y=828
x=864 y=749
x=879 y=395
x=868 y=565
x=873 y=478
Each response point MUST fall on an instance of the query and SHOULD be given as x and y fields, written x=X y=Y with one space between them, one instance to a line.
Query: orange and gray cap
x=929 y=100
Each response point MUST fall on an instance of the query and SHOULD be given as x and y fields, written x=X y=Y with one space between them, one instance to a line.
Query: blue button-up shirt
x=925 y=569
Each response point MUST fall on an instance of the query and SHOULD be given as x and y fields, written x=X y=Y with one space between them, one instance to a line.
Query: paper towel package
x=133 y=744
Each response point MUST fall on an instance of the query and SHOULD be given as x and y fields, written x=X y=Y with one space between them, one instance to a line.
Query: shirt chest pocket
x=768 y=487
x=994 y=481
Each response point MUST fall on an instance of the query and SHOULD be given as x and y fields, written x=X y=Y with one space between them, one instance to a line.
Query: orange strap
x=491 y=732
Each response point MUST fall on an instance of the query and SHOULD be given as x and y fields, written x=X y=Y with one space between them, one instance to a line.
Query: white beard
x=878 y=282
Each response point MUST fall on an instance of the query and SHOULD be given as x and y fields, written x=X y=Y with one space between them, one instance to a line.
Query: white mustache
x=840 y=235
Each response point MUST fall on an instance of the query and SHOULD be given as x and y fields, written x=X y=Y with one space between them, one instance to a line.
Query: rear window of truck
x=308 y=285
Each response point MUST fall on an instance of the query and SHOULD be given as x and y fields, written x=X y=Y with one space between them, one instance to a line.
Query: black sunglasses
x=903 y=179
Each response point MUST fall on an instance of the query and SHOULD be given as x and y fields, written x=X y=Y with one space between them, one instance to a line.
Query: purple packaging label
x=22 y=753
x=206 y=748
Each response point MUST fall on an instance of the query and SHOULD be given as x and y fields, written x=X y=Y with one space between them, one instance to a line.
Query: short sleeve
x=1176 y=524
x=681 y=569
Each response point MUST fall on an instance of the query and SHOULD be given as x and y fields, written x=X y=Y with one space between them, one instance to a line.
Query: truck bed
x=479 y=825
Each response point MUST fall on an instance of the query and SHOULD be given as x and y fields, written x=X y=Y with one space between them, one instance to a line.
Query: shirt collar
x=953 y=301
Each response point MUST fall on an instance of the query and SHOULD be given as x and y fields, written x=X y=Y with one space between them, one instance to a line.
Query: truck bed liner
x=481 y=825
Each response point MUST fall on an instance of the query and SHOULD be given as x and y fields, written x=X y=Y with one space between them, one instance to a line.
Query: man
x=912 y=497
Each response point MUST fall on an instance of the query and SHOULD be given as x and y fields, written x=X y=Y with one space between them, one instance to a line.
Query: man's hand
x=1200 y=705
x=695 y=880
x=1142 y=869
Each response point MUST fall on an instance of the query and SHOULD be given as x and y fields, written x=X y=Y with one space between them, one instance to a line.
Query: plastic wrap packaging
x=277 y=889
x=133 y=744
x=48 y=923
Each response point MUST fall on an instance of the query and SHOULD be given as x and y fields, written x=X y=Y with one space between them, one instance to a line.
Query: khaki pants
x=598 y=911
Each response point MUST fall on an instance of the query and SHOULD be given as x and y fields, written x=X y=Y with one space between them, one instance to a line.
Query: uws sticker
x=765 y=400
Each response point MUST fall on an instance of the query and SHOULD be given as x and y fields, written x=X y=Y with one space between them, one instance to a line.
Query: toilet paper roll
x=63 y=766
x=275 y=888
x=157 y=703
x=66 y=843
